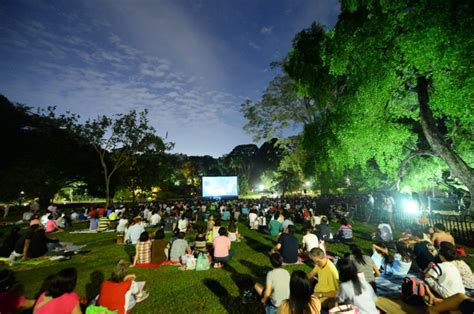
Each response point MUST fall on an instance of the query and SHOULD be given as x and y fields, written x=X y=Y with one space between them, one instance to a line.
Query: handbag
x=345 y=309
x=202 y=262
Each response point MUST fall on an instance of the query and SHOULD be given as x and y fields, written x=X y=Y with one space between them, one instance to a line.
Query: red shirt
x=112 y=295
x=10 y=303
x=101 y=211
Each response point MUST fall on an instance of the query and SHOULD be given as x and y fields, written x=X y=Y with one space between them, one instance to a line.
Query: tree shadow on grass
x=257 y=270
x=230 y=303
x=257 y=246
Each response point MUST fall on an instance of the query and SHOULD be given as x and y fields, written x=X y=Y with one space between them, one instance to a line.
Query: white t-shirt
x=310 y=241
x=183 y=225
x=252 y=219
x=385 y=232
x=155 y=219
x=450 y=280
x=122 y=225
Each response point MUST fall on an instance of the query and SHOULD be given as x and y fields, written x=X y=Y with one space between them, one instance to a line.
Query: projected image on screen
x=219 y=186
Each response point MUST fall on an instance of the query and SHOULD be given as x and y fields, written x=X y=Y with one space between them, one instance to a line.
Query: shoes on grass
x=248 y=297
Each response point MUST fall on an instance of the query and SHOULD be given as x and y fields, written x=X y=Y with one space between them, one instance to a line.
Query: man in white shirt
x=384 y=231
x=155 y=219
x=134 y=232
x=309 y=241
x=253 y=223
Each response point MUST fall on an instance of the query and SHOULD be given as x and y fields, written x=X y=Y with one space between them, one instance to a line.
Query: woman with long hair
x=302 y=300
x=365 y=265
x=59 y=296
x=353 y=289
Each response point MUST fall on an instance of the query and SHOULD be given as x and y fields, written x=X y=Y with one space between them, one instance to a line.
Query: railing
x=460 y=226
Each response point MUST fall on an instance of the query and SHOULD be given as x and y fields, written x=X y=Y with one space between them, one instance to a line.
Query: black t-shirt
x=422 y=254
x=289 y=248
x=38 y=243
x=323 y=231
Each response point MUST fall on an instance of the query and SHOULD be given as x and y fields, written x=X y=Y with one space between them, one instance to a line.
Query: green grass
x=174 y=291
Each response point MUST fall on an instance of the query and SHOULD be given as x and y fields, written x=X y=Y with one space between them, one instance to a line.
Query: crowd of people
x=429 y=254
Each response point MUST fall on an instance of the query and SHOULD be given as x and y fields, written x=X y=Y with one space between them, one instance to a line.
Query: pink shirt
x=60 y=305
x=221 y=246
x=51 y=225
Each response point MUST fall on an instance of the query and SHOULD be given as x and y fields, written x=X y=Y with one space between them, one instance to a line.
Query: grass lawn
x=174 y=291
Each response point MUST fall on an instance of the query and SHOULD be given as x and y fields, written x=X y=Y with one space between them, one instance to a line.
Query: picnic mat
x=390 y=306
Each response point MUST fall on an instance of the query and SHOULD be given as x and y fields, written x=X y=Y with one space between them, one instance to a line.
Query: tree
x=117 y=140
x=40 y=153
x=404 y=64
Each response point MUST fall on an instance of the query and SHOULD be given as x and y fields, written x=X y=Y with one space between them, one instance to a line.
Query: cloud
x=254 y=45
x=266 y=30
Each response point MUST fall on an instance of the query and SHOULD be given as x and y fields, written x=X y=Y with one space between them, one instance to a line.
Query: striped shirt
x=144 y=252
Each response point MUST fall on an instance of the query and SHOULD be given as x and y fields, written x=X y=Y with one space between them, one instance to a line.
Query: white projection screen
x=220 y=187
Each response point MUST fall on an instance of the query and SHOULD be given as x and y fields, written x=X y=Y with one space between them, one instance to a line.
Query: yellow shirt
x=328 y=279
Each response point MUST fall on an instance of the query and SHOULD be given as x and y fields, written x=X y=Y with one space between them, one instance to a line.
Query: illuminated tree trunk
x=458 y=167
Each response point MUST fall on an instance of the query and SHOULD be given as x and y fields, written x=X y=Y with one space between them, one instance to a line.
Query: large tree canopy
x=406 y=66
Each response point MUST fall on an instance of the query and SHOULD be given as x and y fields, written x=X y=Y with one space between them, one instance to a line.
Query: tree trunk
x=457 y=166
x=44 y=201
x=107 y=189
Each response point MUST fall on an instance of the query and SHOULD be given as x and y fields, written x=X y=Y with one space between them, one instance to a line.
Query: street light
x=261 y=187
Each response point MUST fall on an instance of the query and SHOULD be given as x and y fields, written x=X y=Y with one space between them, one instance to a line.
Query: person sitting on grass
x=233 y=232
x=309 y=241
x=274 y=225
x=287 y=246
x=179 y=247
x=121 y=292
x=59 y=296
x=400 y=263
x=200 y=240
x=302 y=300
x=444 y=278
x=143 y=250
x=159 y=247
x=277 y=287
x=51 y=225
x=104 y=224
x=365 y=265
x=34 y=243
x=353 y=289
x=440 y=235
x=464 y=269
x=323 y=231
x=222 y=249
x=134 y=231
x=327 y=275
x=421 y=250
x=11 y=300
x=384 y=232
x=344 y=233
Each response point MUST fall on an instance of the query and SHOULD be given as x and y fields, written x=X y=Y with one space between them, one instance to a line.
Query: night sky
x=190 y=63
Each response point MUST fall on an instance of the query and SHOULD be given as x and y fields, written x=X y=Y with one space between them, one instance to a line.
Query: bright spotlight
x=411 y=207
x=261 y=187
x=307 y=184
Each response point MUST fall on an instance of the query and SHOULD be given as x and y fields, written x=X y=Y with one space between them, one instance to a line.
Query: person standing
x=388 y=204
x=370 y=206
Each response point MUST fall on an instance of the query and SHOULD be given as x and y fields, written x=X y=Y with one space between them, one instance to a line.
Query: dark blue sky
x=190 y=63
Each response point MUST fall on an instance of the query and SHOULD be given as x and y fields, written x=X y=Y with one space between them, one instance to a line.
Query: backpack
x=413 y=291
x=202 y=262
x=94 y=309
